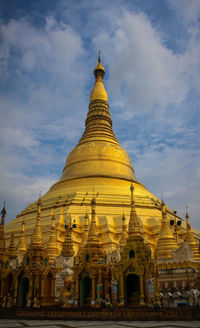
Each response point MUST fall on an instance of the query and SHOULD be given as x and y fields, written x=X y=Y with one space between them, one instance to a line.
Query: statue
x=117 y=254
x=19 y=258
x=99 y=300
x=194 y=298
x=4 y=302
x=114 y=256
x=28 y=300
x=10 y=301
x=36 y=302
x=13 y=264
x=14 y=301
x=150 y=289
x=67 y=298
x=114 y=284
x=108 y=304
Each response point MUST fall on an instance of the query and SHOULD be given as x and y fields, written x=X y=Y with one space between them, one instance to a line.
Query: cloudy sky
x=151 y=53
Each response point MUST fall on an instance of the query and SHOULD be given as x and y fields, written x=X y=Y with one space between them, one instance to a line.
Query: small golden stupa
x=97 y=168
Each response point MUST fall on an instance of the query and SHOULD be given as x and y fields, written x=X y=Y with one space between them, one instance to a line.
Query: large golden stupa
x=97 y=167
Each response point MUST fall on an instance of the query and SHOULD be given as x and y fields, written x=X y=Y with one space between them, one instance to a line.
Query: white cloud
x=188 y=9
x=144 y=74
x=21 y=191
x=175 y=173
x=42 y=71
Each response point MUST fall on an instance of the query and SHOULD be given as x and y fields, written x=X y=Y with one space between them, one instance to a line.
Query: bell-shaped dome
x=98 y=153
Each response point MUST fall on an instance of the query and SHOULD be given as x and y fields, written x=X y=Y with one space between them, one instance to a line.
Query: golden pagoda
x=120 y=254
x=22 y=243
x=190 y=239
x=166 y=241
x=99 y=163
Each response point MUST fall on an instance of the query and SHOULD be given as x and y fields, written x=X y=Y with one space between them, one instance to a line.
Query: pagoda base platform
x=123 y=314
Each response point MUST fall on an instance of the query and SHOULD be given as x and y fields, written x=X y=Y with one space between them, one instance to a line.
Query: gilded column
x=142 y=290
x=121 y=289
x=42 y=289
x=93 y=290
x=53 y=290
x=31 y=287
x=107 y=287
x=36 y=286
x=76 y=292
x=15 y=290
x=2 y=287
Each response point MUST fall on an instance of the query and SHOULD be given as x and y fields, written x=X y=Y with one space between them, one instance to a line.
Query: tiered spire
x=36 y=240
x=166 y=242
x=98 y=122
x=12 y=253
x=133 y=227
x=52 y=249
x=190 y=239
x=2 y=235
x=22 y=242
x=93 y=248
x=67 y=250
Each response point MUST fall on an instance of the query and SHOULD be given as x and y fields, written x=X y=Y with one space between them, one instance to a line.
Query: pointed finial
x=23 y=224
x=186 y=214
x=162 y=200
x=99 y=58
x=132 y=198
x=132 y=187
x=3 y=213
x=39 y=202
x=187 y=217
x=163 y=209
x=99 y=69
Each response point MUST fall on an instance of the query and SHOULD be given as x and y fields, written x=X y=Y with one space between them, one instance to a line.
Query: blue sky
x=150 y=50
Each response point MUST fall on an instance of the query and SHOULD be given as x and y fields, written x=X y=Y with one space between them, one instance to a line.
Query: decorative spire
x=3 y=214
x=98 y=121
x=123 y=238
x=85 y=233
x=133 y=227
x=166 y=242
x=52 y=249
x=67 y=250
x=36 y=240
x=190 y=238
x=93 y=238
x=2 y=235
x=93 y=249
x=12 y=253
x=99 y=91
x=22 y=242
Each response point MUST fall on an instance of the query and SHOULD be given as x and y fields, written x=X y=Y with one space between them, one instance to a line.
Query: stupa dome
x=98 y=166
